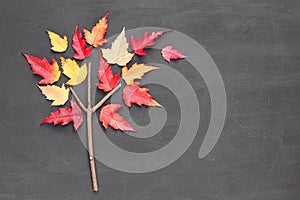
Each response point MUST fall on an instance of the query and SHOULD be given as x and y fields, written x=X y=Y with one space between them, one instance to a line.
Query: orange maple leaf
x=96 y=36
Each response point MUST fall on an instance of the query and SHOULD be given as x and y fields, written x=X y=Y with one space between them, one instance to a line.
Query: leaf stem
x=105 y=98
x=90 y=134
x=78 y=100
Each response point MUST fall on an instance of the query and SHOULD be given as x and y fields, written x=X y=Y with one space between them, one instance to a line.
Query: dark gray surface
x=255 y=44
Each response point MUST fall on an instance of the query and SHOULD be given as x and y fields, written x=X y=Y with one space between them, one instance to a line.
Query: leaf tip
x=106 y=15
x=39 y=86
x=130 y=130
x=168 y=30
x=42 y=122
x=157 y=104
x=25 y=55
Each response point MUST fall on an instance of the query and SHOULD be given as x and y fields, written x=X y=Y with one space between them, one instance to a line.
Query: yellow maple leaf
x=58 y=43
x=72 y=70
x=136 y=71
x=118 y=53
x=59 y=95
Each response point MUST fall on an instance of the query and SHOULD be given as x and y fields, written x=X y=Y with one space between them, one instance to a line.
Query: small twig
x=105 y=98
x=78 y=100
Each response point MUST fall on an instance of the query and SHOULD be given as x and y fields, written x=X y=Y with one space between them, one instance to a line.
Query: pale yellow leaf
x=59 y=95
x=58 y=43
x=118 y=53
x=72 y=70
x=136 y=71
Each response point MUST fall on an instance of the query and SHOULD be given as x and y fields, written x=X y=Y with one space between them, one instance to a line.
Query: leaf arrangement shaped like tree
x=109 y=83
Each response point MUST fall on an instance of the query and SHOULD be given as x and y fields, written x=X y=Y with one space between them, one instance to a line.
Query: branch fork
x=89 y=111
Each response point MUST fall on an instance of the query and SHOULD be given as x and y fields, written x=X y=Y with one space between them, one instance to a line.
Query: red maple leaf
x=79 y=45
x=64 y=116
x=109 y=116
x=145 y=41
x=105 y=75
x=41 y=67
x=169 y=53
x=140 y=96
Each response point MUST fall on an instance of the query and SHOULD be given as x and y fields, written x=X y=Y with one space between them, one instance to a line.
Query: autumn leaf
x=58 y=43
x=169 y=53
x=41 y=67
x=105 y=75
x=96 y=36
x=79 y=45
x=64 y=116
x=140 y=96
x=59 y=95
x=118 y=53
x=136 y=71
x=110 y=117
x=72 y=70
x=145 y=41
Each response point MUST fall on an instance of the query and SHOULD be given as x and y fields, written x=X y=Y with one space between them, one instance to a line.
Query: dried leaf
x=96 y=36
x=59 y=95
x=136 y=71
x=72 y=70
x=79 y=45
x=64 y=116
x=105 y=75
x=58 y=43
x=77 y=115
x=169 y=53
x=145 y=41
x=118 y=53
x=140 y=96
x=110 y=117
x=41 y=67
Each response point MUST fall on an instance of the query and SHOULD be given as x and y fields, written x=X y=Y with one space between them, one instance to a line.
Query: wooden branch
x=105 y=98
x=89 y=111
x=90 y=134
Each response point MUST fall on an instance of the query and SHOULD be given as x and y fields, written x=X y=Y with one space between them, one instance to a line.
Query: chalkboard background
x=255 y=44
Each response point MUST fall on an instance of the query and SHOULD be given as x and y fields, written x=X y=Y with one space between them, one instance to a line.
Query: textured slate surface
x=255 y=44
